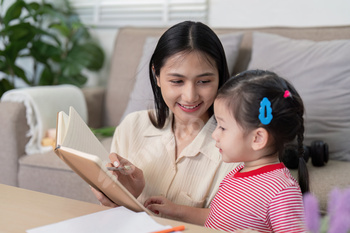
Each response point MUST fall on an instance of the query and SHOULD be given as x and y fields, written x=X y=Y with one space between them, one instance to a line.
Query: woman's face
x=189 y=83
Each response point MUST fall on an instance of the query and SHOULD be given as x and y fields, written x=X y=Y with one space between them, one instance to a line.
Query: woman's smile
x=190 y=108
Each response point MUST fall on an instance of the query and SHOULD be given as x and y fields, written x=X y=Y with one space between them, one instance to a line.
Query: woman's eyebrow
x=176 y=75
x=206 y=74
x=198 y=76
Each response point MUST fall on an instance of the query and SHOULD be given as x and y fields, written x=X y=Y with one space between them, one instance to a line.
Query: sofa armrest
x=12 y=140
x=94 y=97
x=14 y=127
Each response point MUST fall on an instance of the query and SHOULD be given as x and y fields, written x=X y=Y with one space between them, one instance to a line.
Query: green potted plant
x=53 y=37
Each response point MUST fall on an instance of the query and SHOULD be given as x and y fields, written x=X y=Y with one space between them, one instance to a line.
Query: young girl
x=257 y=113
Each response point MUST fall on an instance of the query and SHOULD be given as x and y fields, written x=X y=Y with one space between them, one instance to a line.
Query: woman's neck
x=189 y=127
x=186 y=132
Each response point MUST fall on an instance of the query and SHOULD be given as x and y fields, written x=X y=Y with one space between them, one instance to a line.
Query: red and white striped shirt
x=267 y=199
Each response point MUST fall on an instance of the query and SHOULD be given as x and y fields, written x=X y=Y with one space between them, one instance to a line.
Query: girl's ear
x=261 y=137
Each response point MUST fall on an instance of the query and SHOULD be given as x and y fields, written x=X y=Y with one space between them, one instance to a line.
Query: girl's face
x=231 y=139
x=189 y=83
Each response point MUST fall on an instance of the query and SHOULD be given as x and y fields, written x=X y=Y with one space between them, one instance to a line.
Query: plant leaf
x=39 y=31
x=77 y=59
x=96 y=56
x=77 y=80
x=13 y=12
x=5 y=85
x=43 y=51
x=34 y=6
x=19 y=72
x=3 y=65
x=11 y=51
x=47 y=77
x=24 y=32
x=50 y=11
x=62 y=28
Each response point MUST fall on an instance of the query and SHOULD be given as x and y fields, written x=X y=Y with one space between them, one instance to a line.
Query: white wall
x=106 y=38
x=259 y=13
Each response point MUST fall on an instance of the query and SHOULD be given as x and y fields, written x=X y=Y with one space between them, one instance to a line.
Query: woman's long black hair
x=184 y=37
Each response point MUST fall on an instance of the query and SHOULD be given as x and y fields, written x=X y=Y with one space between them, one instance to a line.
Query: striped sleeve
x=286 y=211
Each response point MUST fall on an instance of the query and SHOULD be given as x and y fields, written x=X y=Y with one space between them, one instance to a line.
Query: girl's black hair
x=184 y=37
x=243 y=94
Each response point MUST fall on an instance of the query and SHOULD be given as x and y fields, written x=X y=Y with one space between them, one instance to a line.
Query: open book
x=79 y=148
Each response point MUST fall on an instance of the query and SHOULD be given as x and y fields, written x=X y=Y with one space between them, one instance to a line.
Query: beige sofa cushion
x=321 y=74
x=324 y=179
x=49 y=174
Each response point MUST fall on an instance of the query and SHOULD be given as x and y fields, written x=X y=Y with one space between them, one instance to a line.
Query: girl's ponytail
x=303 y=174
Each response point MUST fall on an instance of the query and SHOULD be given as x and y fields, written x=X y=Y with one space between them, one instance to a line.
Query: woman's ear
x=260 y=139
x=154 y=76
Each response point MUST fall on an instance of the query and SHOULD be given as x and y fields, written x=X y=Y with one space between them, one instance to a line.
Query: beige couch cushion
x=324 y=179
x=321 y=74
x=124 y=65
x=45 y=172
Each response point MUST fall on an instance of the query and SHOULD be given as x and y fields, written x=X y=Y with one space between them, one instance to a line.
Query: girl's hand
x=161 y=205
x=131 y=177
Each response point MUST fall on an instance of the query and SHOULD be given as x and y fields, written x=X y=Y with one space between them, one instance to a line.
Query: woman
x=170 y=149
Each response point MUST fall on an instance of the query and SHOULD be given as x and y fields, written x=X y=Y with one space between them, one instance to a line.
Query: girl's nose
x=214 y=135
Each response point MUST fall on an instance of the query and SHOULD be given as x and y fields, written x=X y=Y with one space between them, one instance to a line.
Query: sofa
x=128 y=74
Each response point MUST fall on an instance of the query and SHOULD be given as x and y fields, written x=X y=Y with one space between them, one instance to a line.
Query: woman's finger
x=127 y=168
x=114 y=159
x=102 y=198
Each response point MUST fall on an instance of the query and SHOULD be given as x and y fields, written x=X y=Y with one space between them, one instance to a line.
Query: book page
x=78 y=136
x=62 y=121
x=113 y=220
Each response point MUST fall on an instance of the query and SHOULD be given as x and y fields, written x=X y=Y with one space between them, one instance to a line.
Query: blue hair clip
x=265 y=111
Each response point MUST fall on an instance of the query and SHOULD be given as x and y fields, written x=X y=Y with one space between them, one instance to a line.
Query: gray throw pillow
x=141 y=97
x=320 y=71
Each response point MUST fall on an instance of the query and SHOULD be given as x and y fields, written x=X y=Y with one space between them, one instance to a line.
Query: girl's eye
x=220 y=128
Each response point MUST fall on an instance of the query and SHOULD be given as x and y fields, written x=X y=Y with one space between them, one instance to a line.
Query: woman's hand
x=131 y=177
x=103 y=199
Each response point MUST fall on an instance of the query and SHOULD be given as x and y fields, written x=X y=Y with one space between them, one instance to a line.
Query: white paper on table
x=114 y=220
